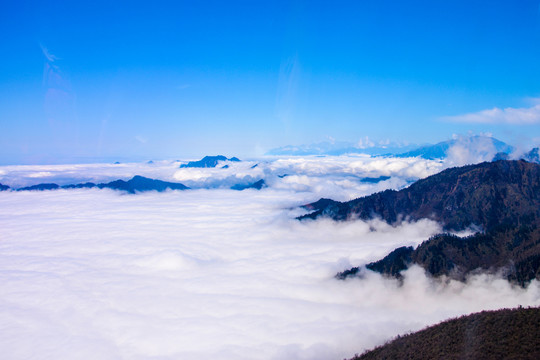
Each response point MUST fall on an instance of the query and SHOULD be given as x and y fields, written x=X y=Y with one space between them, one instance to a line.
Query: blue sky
x=90 y=80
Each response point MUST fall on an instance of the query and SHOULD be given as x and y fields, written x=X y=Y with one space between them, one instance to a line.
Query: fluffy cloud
x=26 y=175
x=337 y=177
x=470 y=150
x=209 y=273
x=340 y=177
x=517 y=116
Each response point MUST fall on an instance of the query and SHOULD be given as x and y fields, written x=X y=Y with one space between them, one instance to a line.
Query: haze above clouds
x=215 y=272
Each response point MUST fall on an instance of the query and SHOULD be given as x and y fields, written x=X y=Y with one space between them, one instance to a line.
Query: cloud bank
x=338 y=177
x=209 y=273
x=515 y=116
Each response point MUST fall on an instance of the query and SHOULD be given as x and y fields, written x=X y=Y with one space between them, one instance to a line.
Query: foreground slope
x=501 y=334
x=501 y=198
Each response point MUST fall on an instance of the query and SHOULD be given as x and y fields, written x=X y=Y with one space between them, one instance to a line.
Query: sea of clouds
x=337 y=177
x=213 y=272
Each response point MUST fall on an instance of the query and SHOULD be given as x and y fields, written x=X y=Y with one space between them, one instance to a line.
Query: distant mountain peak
x=135 y=184
x=463 y=150
x=257 y=185
x=335 y=148
x=39 y=187
x=140 y=183
x=208 y=162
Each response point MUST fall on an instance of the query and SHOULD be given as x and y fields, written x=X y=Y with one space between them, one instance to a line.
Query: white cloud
x=470 y=150
x=40 y=174
x=207 y=273
x=365 y=143
x=516 y=116
x=26 y=175
x=50 y=57
x=337 y=177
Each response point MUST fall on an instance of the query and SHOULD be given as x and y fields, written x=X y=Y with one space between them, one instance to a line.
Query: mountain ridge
x=502 y=198
x=135 y=184
x=499 y=334
x=440 y=150
x=484 y=146
x=340 y=148
x=208 y=162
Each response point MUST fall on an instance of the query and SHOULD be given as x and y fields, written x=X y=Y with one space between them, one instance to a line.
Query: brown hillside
x=490 y=335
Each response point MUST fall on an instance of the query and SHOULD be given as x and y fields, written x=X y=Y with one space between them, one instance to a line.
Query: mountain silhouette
x=140 y=184
x=136 y=184
x=501 y=198
x=500 y=334
x=208 y=162
x=440 y=150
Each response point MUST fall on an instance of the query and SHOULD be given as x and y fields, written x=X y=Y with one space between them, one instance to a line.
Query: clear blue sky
x=149 y=80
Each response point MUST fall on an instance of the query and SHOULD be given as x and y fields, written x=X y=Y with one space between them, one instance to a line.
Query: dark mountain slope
x=456 y=257
x=501 y=334
x=39 y=187
x=372 y=180
x=136 y=184
x=502 y=197
x=140 y=184
x=257 y=185
x=4 y=187
x=208 y=162
x=87 y=185
x=485 y=194
x=532 y=156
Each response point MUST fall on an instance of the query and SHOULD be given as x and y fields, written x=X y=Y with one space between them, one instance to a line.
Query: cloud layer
x=338 y=177
x=98 y=274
